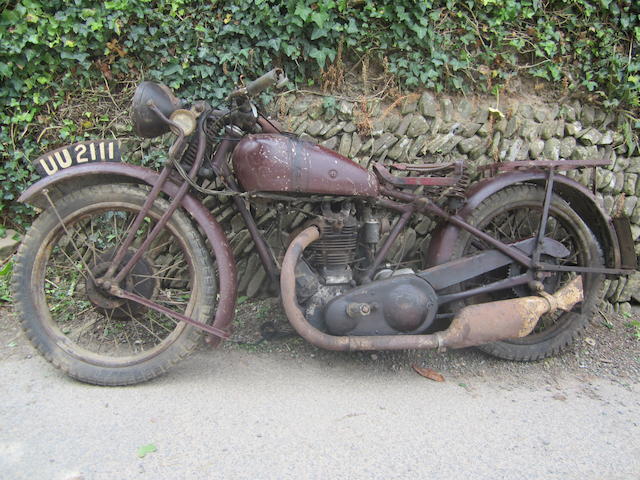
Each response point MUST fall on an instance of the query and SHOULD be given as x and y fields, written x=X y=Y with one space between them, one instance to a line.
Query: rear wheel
x=81 y=329
x=514 y=214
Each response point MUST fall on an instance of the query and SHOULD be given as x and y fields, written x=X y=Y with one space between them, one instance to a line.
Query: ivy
x=52 y=50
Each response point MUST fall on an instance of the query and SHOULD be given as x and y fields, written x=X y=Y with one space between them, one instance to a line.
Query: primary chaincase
x=396 y=305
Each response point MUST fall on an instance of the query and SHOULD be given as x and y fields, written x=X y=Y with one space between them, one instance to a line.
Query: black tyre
x=514 y=214
x=90 y=335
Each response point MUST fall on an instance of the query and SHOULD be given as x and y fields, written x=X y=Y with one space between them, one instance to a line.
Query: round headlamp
x=146 y=122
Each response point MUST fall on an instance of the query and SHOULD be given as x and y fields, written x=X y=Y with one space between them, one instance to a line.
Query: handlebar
x=275 y=77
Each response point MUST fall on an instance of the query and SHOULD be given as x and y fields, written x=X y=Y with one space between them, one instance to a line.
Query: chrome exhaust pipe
x=473 y=325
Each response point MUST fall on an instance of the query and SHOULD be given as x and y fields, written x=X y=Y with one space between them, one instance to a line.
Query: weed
x=635 y=326
x=5 y=281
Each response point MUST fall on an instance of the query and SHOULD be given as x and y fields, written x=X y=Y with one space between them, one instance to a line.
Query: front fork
x=116 y=273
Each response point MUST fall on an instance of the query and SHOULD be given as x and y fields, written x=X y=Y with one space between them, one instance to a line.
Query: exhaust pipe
x=473 y=325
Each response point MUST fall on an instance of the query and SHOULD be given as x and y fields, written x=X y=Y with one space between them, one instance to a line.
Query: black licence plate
x=78 y=154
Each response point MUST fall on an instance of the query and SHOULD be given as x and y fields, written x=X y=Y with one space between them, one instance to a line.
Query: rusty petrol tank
x=280 y=163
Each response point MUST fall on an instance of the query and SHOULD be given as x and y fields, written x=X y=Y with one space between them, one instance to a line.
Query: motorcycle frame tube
x=221 y=168
x=72 y=178
x=425 y=205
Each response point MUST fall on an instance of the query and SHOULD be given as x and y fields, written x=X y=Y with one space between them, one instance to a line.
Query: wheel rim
x=87 y=328
x=519 y=222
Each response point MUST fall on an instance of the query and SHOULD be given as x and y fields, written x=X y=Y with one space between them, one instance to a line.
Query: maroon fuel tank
x=279 y=163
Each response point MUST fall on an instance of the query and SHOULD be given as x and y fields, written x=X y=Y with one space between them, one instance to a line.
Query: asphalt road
x=253 y=415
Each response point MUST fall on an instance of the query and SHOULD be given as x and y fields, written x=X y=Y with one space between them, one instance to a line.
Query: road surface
x=255 y=415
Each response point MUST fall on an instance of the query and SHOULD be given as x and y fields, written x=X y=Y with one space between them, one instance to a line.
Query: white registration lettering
x=80 y=153
x=62 y=161
x=67 y=157
x=102 y=152
x=51 y=167
x=110 y=150
x=92 y=147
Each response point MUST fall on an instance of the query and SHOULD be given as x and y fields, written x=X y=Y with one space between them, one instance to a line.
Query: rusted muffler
x=473 y=325
x=517 y=317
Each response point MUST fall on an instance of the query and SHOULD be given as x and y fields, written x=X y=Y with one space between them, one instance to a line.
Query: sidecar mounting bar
x=119 y=292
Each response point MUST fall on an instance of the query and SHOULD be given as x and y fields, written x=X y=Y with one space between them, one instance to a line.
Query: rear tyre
x=81 y=329
x=514 y=214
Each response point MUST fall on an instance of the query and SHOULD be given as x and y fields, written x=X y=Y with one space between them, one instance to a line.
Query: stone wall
x=425 y=128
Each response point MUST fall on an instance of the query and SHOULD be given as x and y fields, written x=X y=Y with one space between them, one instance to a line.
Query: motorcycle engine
x=394 y=303
x=327 y=269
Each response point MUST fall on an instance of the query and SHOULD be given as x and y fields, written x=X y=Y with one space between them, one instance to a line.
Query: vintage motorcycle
x=126 y=268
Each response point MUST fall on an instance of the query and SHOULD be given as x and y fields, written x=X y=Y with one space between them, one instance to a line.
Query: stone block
x=330 y=143
x=548 y=130
x=386 y=141
x=399 y=150
x=447 y=109
x=418 y=126
x=9 y=243
x=334 y=130
x=356 y=145
x=470 y=129
x=514 y=149
x=465 y=109
x=567 y=146
x=315 y=127
x=391 y=121
x=589 y=137
x=535 y=148
x=404 y=124
x=552 y=149
x=573 y=129
x=630 y=182
x=345 y=144
x=345 y=110
x=468 y=144
x=428 y=105
x=512 y=126
x=349 y=127
x=530 y=130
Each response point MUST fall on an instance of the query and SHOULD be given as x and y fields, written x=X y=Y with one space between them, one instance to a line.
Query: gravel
x=609 y=350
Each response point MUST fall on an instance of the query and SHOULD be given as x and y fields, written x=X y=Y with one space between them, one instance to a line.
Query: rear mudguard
x=585 y=204
x=99 y=173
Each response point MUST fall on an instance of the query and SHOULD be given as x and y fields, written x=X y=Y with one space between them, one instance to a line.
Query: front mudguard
x=444 y=237
x=99 y=173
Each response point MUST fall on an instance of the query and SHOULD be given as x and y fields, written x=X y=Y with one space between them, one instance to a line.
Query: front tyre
x=79 y=328
x=511 y=215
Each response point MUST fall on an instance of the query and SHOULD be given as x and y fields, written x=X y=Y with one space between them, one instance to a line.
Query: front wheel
x=514 y=214
x=81 y=329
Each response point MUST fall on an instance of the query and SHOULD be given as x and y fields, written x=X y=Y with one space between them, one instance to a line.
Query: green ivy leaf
x=146 y=449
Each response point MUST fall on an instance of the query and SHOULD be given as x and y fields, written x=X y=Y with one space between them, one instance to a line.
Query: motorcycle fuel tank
x=280 y=163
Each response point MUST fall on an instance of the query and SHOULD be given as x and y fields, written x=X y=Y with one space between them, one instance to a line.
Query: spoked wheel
x=76 y=324
x=514 y=214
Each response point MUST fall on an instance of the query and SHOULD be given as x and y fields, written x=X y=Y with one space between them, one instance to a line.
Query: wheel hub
x=140 y=280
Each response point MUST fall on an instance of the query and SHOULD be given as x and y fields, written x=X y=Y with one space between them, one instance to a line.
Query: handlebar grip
x=275 y=76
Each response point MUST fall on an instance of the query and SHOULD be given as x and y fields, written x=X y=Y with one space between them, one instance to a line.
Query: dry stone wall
x=425 y=128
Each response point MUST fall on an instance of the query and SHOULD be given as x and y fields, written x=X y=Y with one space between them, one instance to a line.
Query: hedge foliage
x=50 y=51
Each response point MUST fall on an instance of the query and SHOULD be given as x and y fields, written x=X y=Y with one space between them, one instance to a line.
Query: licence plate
x=78 y=154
